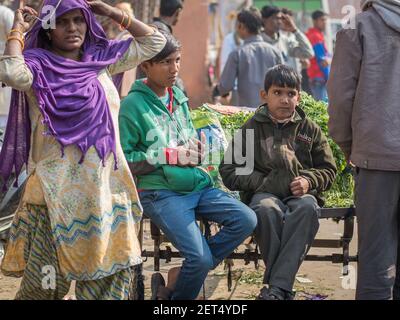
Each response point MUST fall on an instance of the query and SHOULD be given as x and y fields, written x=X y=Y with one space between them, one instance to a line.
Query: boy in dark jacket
x=164 y=153
x=293 y=165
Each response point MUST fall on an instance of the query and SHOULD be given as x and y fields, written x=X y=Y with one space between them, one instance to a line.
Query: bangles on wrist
x=18 y=31
x=122 y=24
x=19 y=39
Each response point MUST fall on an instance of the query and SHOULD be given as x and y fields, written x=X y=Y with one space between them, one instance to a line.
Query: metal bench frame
x=251 y=253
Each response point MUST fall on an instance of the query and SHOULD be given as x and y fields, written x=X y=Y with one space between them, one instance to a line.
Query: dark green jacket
x=281 y=153
x=147 y=128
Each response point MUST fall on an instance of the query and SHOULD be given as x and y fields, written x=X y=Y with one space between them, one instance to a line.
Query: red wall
x=192 y=32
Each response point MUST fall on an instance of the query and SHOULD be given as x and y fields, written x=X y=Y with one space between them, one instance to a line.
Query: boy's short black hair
x=318 y=14
x=269 y=11
x=251 y=19
x=172 y=45
x=282 y=76
x=169 y=7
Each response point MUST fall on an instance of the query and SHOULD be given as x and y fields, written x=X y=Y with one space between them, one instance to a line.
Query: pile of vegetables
x=341 y=193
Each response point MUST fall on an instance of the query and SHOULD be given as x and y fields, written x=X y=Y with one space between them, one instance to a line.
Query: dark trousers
x=285 y=232
x=377 y=203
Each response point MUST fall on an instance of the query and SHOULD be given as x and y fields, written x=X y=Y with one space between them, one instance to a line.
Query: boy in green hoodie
x=292 y=165
x=164 y=153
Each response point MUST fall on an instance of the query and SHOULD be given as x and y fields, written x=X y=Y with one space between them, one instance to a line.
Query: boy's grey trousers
x=285 y=232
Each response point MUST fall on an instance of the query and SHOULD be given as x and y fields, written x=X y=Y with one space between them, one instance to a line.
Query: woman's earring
x=49 y=36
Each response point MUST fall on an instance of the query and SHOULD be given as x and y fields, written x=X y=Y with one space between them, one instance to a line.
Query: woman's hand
x=24 y=19
x=288 y=23
x=101 y=8
x=134 y=26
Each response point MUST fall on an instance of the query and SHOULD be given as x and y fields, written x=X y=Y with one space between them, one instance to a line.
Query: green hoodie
x=147 y=128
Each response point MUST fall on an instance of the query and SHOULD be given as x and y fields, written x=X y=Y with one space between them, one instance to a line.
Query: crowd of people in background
x=270 y=27
x=242 y=61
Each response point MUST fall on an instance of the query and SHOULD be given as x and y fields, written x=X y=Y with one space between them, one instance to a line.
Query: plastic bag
x=207 y=121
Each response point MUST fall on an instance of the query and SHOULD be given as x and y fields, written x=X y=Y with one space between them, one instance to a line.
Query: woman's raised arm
x=134 y=26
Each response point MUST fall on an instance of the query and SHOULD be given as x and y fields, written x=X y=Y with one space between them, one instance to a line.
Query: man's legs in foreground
x=175 y=214
x=377 y=203
x=285 y=232
x=396 y=288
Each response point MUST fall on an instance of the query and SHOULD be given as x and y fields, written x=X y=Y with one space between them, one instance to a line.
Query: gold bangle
x=18 y=39
x=123 y=18
x=18 y=31
x=129 y=22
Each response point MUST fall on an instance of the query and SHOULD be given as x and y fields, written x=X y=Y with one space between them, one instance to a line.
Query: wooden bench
x=251 y=253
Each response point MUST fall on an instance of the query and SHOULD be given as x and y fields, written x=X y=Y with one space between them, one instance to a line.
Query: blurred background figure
x=170 y=11
x=6 y=22
x=318 y=72
x=247 y=65
x=272 y=22
x=230 y=43
x=305 y=81
x=296 y=44
x=281 y=31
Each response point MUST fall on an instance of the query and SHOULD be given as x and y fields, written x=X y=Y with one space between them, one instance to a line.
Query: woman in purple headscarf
x=78 y=215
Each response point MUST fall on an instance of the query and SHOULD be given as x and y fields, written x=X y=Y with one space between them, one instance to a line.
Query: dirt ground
x=324 y=279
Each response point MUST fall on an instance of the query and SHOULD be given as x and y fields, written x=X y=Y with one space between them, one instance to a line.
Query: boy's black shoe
x=271 y=293
x=275 y=293
x=289 y=295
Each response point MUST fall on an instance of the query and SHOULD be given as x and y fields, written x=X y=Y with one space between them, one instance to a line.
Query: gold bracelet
x=129 y=22
x=123 y=18
x=18 y=39
x=18 y=31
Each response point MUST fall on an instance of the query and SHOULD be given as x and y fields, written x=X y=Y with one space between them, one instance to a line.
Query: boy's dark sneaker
x=272 y=293
x=290 y=295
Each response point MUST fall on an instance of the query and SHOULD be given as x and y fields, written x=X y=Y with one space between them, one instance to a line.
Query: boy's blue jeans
x=175 y=214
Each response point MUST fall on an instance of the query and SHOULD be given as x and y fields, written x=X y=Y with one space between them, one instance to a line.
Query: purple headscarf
x=70 y=97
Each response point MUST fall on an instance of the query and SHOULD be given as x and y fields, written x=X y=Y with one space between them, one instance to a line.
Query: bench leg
x=347 y=237
x=140 y=234
x=156 y=236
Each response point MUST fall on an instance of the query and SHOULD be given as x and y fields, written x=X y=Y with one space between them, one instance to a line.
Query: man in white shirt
x=281 y=32
x=231 y=42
